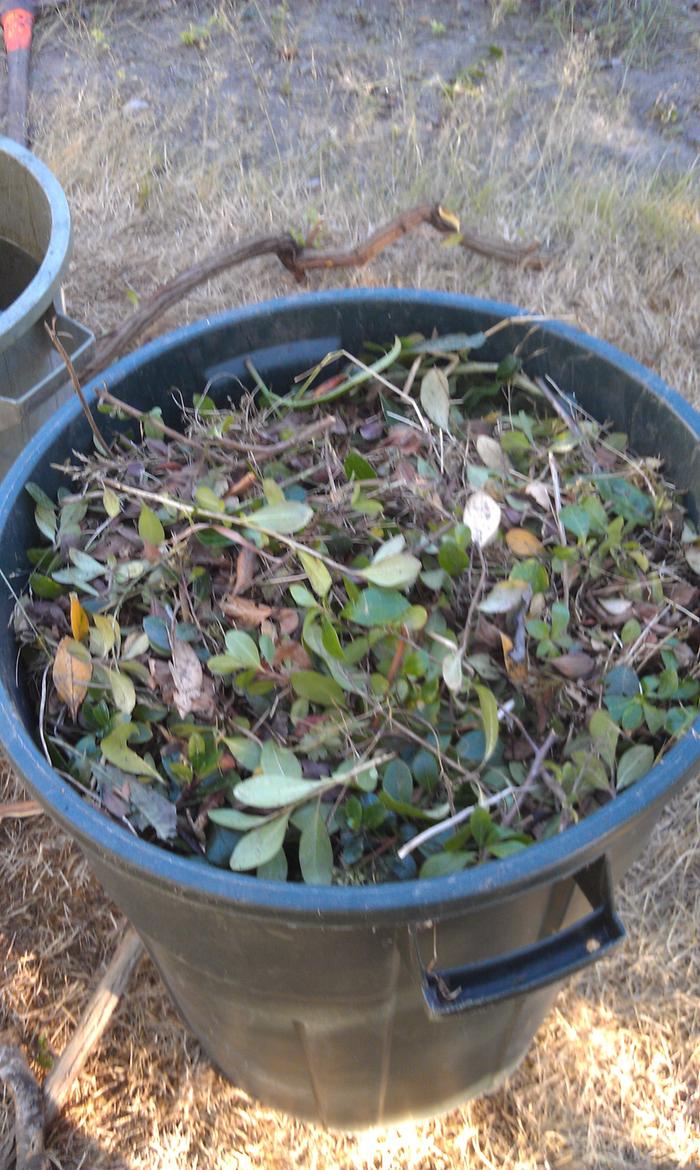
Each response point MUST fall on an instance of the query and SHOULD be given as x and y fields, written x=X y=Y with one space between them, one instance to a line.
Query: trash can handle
x=450 y=991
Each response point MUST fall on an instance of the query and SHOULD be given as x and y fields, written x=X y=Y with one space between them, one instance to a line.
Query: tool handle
x=17 y=23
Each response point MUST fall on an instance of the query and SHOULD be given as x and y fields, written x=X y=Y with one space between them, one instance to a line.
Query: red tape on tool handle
x=17 y=25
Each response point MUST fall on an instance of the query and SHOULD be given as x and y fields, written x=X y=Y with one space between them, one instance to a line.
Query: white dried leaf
x=616 y=605
x=482 y=515
x=538 y=492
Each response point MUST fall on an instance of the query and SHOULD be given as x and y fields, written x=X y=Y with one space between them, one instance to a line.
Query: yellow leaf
x=72 y=671
x=78 y=619
x=517 y=671
x=523 y=543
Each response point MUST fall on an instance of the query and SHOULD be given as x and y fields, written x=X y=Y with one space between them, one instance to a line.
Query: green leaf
x=273 y=491
x=377 y=607
x=452 y=671
x=634 y=764
x=389 y=548
x=222 y=664
x=122 y=690
x=397 y=781
x=488 y=708
x=481 y=825
x=44 y=587
x=414 y=811
x=605 y=734
x=317 y=688
x=302 y=596
x=233 y=818
x=242 y=650
x=151 y=530
x=245 y=752
x=532 y=573
x=576 y=520
x=274 y=870
x=451 y=558
x=115 y=751
x=330 y=639
x=283 y=519
x=395 y=572
x=260 y=845
x=426 y=769
x=625 y=499
x=622 y=680
x=274 y=790
x=277 y=759
x=357 y=467
x=443 y=864
x=435 y=397
x=207 y=499
x=86 y=565
x=319 y=577
x=316 y=853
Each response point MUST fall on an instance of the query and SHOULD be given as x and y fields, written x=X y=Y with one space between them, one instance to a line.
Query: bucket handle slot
x=450 y=991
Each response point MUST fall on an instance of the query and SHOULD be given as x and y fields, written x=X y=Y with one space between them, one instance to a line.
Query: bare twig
x=65 y=357
x=450 y=822
x=539 y=758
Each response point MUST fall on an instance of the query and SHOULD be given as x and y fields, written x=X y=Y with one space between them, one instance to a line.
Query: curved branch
x=298 y=260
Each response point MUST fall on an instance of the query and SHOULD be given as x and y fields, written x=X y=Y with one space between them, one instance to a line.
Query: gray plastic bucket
x=35 y=238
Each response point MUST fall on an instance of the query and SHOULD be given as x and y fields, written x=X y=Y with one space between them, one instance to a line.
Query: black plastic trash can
x=356 y=1006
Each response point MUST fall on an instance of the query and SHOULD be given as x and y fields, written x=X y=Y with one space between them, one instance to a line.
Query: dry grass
x=234 y=141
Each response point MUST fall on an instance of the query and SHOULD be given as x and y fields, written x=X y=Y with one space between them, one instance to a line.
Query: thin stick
x=92 y=1023
x=20 y=810
x=449 y=823
x=29 y=1111
x=535 y=769
x=58 y=346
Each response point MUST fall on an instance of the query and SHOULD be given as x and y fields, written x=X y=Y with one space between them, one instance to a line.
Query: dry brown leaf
x=72 y=671
x=246 y=565
x=288 y=620
x=523 y=543
x=574 y=666
x=295 y=653
x=187 y=675
x=245 y=612
x=407 y=439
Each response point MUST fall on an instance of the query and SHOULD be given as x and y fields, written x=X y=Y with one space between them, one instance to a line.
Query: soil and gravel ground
x=178 y=127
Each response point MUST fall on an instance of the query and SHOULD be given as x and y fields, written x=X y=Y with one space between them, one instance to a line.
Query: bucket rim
x=44 y=286
x=492 y=881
